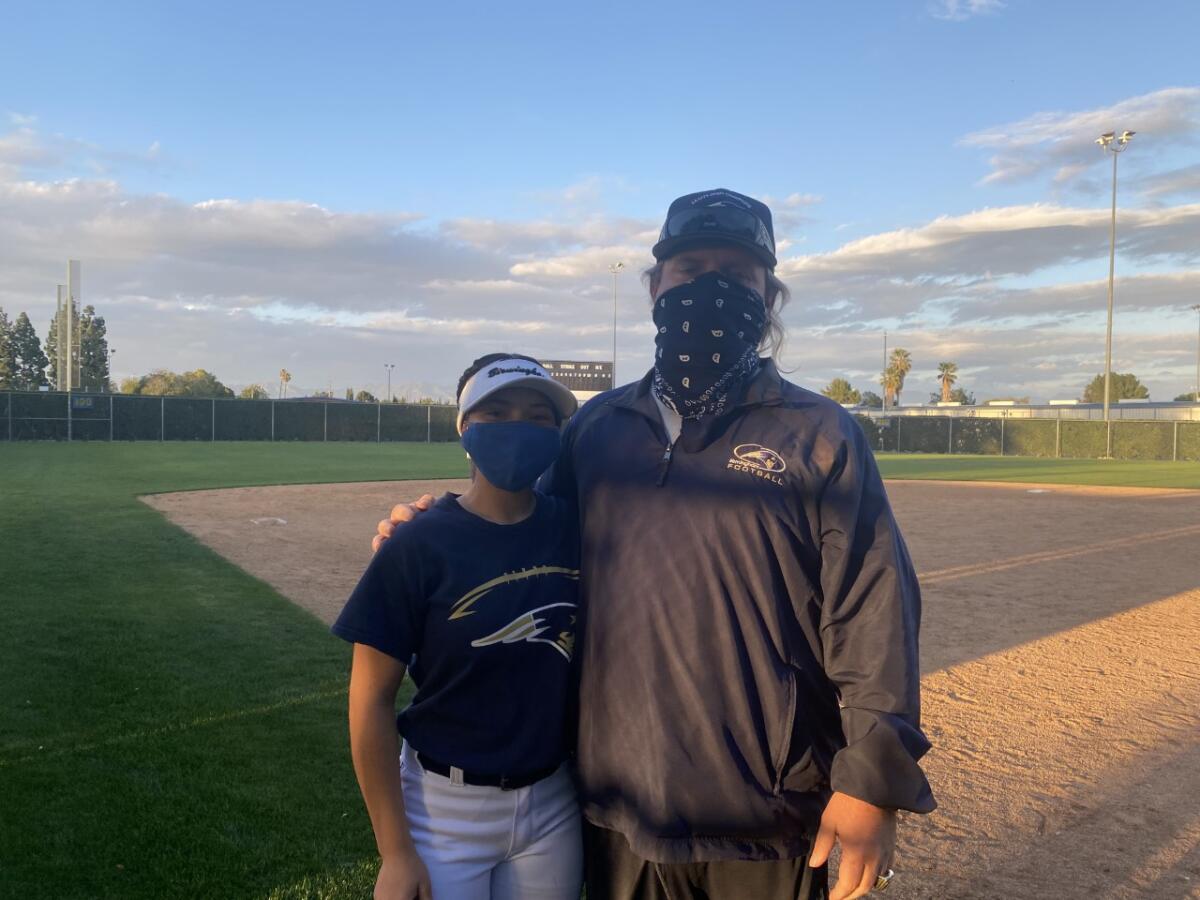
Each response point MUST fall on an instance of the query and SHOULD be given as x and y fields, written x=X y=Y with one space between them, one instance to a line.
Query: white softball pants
x=484 y=843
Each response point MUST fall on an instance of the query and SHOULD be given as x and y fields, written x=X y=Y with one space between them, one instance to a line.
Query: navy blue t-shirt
x=484 y=616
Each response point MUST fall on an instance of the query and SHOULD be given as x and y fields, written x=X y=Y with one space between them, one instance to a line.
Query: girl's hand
x=403 y=877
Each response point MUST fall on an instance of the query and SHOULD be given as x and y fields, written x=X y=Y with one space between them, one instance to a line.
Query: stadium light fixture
x=1115 y=145
x=615 y=269
x=387 y=367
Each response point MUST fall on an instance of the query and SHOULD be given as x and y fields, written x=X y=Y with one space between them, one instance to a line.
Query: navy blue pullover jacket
x=749 y=638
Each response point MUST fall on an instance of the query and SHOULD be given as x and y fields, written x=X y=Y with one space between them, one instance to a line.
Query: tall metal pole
x=74 y=291
x=59 y=337
x=70 y=362
x=614 y=268
x=885 y=371
x=1112 y=258
x=387 y=367
x=614 y=353
x=1196 y=395
x=1110 y=143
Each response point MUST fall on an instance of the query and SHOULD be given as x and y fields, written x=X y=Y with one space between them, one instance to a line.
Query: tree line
x=1122 y=386
x=202 y=383
x=29 y=364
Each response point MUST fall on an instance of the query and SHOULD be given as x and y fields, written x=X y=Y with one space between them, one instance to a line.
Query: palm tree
x=947 y=375
x=901 y=362
x=891 y=381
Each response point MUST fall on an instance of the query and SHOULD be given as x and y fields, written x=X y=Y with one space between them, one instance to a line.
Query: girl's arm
x=375 y=747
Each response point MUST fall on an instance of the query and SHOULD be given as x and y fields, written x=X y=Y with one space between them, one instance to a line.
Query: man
x=749 y=685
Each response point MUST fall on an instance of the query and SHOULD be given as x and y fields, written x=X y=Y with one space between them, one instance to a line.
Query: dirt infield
x=1062 y=685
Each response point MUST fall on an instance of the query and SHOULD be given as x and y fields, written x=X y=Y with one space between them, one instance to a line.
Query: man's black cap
x=718 y=216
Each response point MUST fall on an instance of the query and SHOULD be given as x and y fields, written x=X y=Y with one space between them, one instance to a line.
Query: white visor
x=507 y=373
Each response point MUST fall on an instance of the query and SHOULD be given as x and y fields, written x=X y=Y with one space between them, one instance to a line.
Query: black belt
x=504 y=782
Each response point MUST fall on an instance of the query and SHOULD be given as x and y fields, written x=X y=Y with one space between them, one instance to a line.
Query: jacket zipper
x=664 y=464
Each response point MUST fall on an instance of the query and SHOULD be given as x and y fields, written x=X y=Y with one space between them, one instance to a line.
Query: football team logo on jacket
x=759 y=461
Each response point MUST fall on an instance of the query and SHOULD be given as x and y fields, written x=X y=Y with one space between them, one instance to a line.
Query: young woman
x=477 y=599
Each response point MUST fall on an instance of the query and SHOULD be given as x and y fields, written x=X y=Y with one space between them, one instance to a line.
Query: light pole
x=388 y=368
x=1196 y=396
x=108 y=380
x=615 y=269
x=884 y=386
x=1115 y=145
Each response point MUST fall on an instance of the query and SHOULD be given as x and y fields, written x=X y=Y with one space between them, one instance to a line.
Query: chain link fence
x=1053 y=438
x=51 y=416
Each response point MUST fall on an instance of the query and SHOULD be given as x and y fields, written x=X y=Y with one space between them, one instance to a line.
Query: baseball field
x=172 y=722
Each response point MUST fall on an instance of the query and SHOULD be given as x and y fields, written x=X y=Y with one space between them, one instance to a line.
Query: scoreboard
x=581 y=376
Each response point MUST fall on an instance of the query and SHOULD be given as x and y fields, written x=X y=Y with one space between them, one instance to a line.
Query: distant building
x=585 y=378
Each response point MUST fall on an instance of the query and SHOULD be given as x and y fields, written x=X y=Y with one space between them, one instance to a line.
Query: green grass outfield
x=1111 y=472
x=172 y=727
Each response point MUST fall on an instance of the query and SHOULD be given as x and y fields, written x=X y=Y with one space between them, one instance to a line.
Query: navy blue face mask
x=511 y=455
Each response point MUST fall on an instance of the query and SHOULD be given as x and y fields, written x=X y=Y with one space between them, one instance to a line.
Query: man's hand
x=868 y=837
x=401 y=512
x=403 y=877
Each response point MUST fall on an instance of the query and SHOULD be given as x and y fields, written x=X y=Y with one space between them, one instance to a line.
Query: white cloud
x=791 y=201
x=1064 y=142
x=158 y=245
x=485 y=286
x=22 y=147
x=790 y=215
x=1015 y=240
x=25 y=148
x=587 y=262
x=543 y=235
x=1139 y=293
x=961 y=10
x=1182 y=181
x=243 y=287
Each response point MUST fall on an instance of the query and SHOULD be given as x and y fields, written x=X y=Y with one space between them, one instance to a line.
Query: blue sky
x=474 y=163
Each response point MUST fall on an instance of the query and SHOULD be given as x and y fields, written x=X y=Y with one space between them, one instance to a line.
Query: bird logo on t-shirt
x=529 y=627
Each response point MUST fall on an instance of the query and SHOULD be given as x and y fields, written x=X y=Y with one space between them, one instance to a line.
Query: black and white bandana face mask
x=708 y=334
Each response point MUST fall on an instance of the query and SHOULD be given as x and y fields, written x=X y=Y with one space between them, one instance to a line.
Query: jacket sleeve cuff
x=879 y=762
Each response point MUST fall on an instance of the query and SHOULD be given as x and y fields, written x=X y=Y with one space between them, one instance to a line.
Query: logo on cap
x=723 y=199
x=515 y=370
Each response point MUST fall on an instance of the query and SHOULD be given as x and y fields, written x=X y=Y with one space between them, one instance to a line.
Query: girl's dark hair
x=486 y=361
